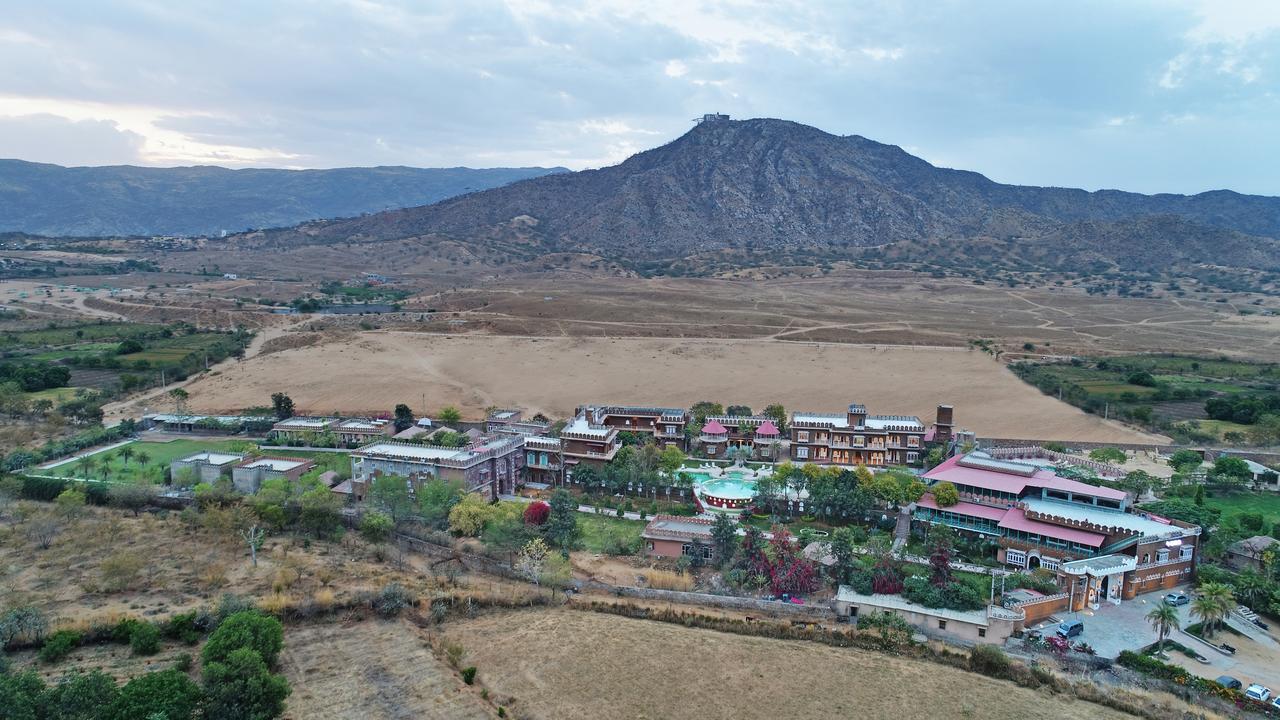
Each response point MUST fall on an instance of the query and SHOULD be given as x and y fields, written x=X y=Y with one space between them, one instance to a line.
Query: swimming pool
x=733 y=490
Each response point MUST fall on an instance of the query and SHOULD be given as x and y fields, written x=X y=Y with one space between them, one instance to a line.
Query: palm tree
x=125 y=453
x=89 y=465
x=1165 y=620
x=84 y=464
x=1252 y=589
x=143 y=457
x=1213 y=605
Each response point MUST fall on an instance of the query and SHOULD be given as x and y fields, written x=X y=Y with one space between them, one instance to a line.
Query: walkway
x=87 y=453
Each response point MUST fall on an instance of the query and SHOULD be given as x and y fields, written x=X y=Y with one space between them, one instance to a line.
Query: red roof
x=767 y=428
x=985 y=512
x=1016 y=519
x=952 y=471
x=714 y=428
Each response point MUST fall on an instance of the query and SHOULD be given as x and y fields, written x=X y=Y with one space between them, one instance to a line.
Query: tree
x=670 y=460
x=1212 y=605
x=1112 y=455
x=179 y=397
x=81 y=696
x=282 y=406
x=532 y=560
x=169 y=693
x=1230 y=470
x=562 y=524
x=144 y=457
x=789 y=570
x=536 y=513
x=843 y=547
x=403 y=417
x=131 y=496
x=1137 y=482
x=940 y=547
x=1184 y=461
x=738 y=410
x=450 y=415
x=240 y=687
x=1164 y=618
x=724 y=539
x=436 y=498
x=777 y=414
x=245 y=629
x=376 y=527
x=1253 y=589
x=469 y=515
x=70 y=502
x=125 y=453
x=253 y=537
x=945 y=494
x=390 y=494
x=704 y=408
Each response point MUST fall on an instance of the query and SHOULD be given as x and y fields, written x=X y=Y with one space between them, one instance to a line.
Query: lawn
x=160 y=455
x=55 y=395
x=1220 y=427
x=1266 y=503
x=607 y=534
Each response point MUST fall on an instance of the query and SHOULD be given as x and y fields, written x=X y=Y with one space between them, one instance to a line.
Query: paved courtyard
x=1113 y=628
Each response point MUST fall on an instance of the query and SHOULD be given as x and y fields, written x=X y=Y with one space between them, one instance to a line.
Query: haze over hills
x=773 y=187
x=127 y=200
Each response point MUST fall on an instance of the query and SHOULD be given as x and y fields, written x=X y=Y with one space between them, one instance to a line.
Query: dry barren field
x=569 y=664
x=375 y=370
x=379 y=670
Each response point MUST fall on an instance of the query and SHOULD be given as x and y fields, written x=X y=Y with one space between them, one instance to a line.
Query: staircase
x=902 y=530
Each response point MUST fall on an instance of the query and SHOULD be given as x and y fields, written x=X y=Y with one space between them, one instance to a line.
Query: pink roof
x=952 y=471
x=965 y=508
x=767 y=428
x=714 y=428
x=1016 y=519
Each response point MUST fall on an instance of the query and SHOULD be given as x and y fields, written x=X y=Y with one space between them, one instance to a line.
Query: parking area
x=1113 y=628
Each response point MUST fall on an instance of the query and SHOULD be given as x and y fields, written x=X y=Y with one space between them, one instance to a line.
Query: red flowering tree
x=536 y=513
x=940 y=555
x=789 y=570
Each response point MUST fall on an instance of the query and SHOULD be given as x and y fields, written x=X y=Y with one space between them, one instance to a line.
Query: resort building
x=512 y=422
x=856 y=438
x=970 y=627
x=354 y=433
x=1101 y=548
x=584 y=441
x=203 y=467
x=206 y=424
x=543 y=460
x=756 y=432
x=490 y=465
x=666 y=425
x=1250 y=553
x=300 y=428
x=247 y=476
x=672 y=536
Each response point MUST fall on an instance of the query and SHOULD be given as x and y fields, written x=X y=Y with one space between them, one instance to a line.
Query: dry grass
x=668 y=580
x=372 y=669
x=572 y=664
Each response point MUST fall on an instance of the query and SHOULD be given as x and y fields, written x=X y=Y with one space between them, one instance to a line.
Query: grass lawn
x=160 y=455
x=1220 y=427
x=1267 y=503
x=54 y=395
x=604 y=533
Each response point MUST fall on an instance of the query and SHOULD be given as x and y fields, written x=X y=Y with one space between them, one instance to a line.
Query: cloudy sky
x=1176 y=96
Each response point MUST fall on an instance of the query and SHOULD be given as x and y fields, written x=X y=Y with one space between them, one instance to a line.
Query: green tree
x=1230 y=470
x=246 y=629
x=125 y=454
x=241 y=687
x=843 y=547
x=179 y=397
x=1164 y=618
x=724 y=539
x=390 y=494
x=1112 y=455
x=945 y=494
x=450 y=415
x=131 y=496
x=144 y=458
x=777 y=414
x=1184 y=461
x=376 y=527
x=282 y=406
x=436 y=498
x=22 y=696
x=1212 y=605
x=469 y=515
x=81 y=696
x=167 y=692
x=671 y=460
x=403 y=417
x=561 y=528
x=702 y=409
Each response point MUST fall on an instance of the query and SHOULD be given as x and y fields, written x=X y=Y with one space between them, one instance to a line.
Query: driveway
x=1113 y=628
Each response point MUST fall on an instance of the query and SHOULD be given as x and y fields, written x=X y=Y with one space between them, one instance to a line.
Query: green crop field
x=1267 y=503
x=76 y=334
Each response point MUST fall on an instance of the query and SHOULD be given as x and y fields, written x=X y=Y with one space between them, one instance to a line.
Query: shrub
x=241 y=687
x=945 y=494
x=167 y=693
x=469 y=674
x=392 y=600
x=58 y=645
x=246 y=629
x=183 y=662
x=989 y=660
x=145 y=639
x=122 y=631
x=183 y=628
x=536 y=513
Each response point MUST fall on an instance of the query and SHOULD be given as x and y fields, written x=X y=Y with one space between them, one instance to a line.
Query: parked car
x=1177 y=598
x=1229 y=682
x=1070 y=628
x=1258 y=692
x=1275 y=702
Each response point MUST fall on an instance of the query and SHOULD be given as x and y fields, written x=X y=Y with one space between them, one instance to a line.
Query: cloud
x=675 y=69
x=880 y=54
x=55 y=139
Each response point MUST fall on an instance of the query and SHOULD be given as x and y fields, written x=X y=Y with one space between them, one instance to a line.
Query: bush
x=989 y=660
x=246 y=629
x=168 y=693
x=122 y=631
x=183 y=628
x=469 y=675
x=536 y=513
x=58 y=645
x=145 y=639
x=392 y=600
x=182 y=663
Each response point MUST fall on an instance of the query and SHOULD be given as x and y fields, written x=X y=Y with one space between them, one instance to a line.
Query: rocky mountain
x=771 y=186
x=126 y=200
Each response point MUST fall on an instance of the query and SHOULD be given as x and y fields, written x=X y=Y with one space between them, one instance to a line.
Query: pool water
x=730 y=487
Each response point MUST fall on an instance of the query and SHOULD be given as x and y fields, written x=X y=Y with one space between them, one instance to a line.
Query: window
x=942 y=624
x=1015 y=557
x=853 y=611
x=706 y=552
x=913 y=441
x=802 y=436
x=1146 y=558
x=913 y=457
x=802 y=452
x=650 y=545
x=1186 y=552
x=671 y=429
x=686 y=549
x=711 y=449
x=982 y=632
x=1162 y=555
x=1049 y=564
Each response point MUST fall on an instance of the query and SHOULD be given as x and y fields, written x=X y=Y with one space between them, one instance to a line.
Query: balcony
x=714 y=439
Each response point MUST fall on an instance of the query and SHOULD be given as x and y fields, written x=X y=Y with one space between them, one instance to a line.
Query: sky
x=1175 y=96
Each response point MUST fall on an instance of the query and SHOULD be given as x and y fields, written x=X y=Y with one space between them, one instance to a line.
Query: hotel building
x=722 y=432
x=666 y=425
x=490 y=465
x=856 y=438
